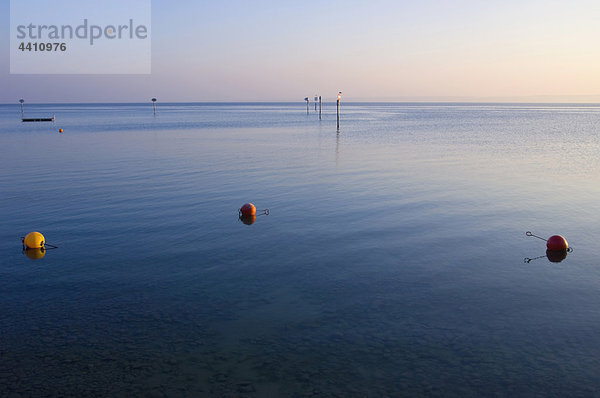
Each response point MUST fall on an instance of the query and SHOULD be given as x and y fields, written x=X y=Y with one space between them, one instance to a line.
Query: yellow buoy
x=60 y=130
x=34 y=240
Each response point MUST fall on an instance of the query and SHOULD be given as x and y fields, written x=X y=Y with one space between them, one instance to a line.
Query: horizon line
x=516 y=100
x=527 y=99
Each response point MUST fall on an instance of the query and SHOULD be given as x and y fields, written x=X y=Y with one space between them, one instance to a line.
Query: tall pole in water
x=154 y=105
x=339 y=98
x=306 y=99
x=21 y=101
x=316 y=98
x=319 y=107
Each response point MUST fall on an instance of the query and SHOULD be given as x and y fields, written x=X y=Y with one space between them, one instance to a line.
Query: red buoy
x=557 y=242
x=248 y=210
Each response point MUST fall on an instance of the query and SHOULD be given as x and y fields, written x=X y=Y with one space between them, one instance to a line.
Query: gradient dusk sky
x=375 y=50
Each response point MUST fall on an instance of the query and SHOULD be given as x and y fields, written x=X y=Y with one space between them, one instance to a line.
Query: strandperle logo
x=80 y=37
x=84 y=31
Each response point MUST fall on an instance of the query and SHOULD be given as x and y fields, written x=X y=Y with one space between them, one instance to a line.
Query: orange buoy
x=557 y=242
x=248 y=210
x=60 y=130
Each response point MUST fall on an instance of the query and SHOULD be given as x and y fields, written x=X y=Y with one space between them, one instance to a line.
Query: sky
x=377 y=50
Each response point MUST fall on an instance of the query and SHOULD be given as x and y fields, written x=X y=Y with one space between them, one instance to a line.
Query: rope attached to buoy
x=35 y=240
x=528 y=233
x=264 y=212
x=554 y=243
x=248 y=213
x=557 y=248
x=249 y=209
x=46 y=246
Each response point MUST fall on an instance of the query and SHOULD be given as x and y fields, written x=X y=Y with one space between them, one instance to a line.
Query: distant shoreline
x=332 y=100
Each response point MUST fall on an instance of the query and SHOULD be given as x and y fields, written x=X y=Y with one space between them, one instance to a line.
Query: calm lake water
x=392 y=262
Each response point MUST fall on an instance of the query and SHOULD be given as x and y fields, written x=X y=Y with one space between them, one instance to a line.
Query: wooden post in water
x=306 y=99
x=319 y=107
x=339 y=98
x=21 y=101
x=154 y=105
x=316 y=98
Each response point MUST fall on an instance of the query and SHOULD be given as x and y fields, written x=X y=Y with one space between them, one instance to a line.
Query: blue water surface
x=393 y=261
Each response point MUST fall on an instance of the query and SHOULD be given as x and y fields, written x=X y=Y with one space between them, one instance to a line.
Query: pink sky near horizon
x=538 y=51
